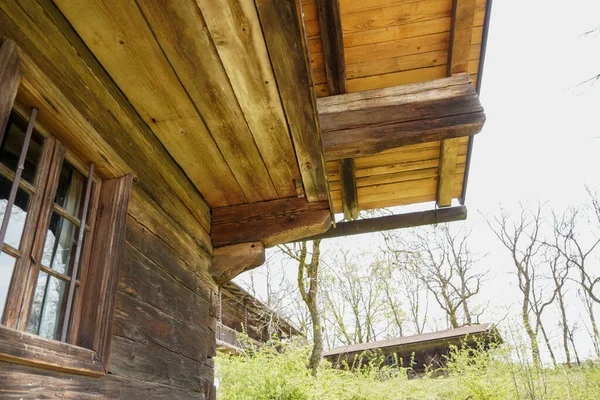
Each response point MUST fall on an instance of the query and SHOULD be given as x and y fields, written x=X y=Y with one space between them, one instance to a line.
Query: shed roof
x=463 y=331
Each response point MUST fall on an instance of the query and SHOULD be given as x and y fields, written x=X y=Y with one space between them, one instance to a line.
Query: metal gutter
x=484 y=41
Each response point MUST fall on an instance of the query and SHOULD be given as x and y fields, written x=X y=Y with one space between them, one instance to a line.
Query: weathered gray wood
x=148 y=282
x=330 y=27
x=20 y=382
x=349 y=189
x=9 y=80
x=151 y=363
x=230 y=261
x=100 y=283
x=394 y=222
x=141 y=322
x=361 y=124
x=283 y=36
x=270 y=222
x=25 y=348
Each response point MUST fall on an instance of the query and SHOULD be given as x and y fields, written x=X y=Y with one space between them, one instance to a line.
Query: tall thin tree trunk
x=565 y=325
x=548 y=346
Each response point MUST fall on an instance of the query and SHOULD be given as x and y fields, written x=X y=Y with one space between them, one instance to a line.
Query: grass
x=470 y=374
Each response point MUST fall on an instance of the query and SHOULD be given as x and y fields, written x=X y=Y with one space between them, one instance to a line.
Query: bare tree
x=570 y=244
x=356 y=299
x=441 y=260
x=308 y=285
x=521 y=236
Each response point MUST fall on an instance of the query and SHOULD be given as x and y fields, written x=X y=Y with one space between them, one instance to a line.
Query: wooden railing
x=230 y=338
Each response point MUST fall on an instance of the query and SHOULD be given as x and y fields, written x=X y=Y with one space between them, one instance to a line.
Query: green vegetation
x=470 y=374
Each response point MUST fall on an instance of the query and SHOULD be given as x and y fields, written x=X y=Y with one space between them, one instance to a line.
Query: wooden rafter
x=332 y=40
x=390 y=222
x=370 y=122
x=270 y=222
x=9 y=80
x=463 y=14
x=284 y=40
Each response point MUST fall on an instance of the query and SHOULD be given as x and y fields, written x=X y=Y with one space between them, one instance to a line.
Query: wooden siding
x=163 y=336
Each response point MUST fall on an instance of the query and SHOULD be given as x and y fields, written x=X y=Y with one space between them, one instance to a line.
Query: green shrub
x=474 y=374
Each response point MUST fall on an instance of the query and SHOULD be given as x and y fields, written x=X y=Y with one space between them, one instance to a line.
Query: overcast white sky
x=541 y=140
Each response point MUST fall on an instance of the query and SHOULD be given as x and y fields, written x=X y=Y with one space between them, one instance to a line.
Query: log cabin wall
x=163 y=335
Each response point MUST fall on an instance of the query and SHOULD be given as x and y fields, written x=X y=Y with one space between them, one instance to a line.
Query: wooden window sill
x=24 y=348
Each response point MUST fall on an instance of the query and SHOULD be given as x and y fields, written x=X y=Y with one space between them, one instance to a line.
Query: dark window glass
x=71 y=189
x=12 y=143
x=18 y=213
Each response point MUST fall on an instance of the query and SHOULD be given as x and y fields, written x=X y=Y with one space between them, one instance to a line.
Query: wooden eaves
x=368 y=123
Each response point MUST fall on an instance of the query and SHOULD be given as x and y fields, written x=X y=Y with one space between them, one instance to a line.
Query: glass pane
x=12 y=143
x=48 y=307
x=61 y=242
x=7 y=265
x=18 y=214
x=70 y=191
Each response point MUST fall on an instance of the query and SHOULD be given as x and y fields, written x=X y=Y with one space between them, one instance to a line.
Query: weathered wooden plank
x=230 y=261
x=182 y=34
x=148 y=282
x=463 y=17
x=151 y=363
x=391 y=222
x=124 y=43
x=284 y=40
x=10 y=77
x=362 y=124
x=59 y=116
x=20 y=382
x=270 y=222
x=330 y=26
x=235 y=28
x=27 y=349
x=348 y=187
x=447 y=171
x=101 y=280
x=141 y=322
x=366 y=141
x=42 y=32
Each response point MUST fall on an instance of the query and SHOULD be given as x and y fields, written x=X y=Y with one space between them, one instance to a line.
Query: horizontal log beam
x=230 y=261
x=270 y=222
x=391 y=222
x=367 y=123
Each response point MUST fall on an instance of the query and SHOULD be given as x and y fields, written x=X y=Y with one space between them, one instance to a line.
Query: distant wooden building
x=428 y=350
x=240 y=312
x=151 y=150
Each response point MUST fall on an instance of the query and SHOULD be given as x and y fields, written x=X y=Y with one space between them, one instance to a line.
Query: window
x=46 y=231
x=62 y=229
x=57 y=218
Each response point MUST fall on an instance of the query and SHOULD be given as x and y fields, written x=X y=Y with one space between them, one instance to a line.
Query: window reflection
x=7 y=264
x=47 y=309
x=69 y=194
x=18 y=213
x=60 y=245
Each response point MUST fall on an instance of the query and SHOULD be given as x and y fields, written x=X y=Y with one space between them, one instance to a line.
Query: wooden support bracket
x=270 y=222
x=447 y=171
x=349 y=190
x=230 y=261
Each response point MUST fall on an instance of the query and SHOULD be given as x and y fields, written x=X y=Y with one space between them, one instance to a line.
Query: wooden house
x=242 y=319
x=150 y=151
x=417 y=352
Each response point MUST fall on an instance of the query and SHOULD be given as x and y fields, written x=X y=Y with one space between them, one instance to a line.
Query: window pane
x=11 y=146
x=70 y=191
x=18 y=214
x=61 y=242
x=7 y=264
x=48 y=307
